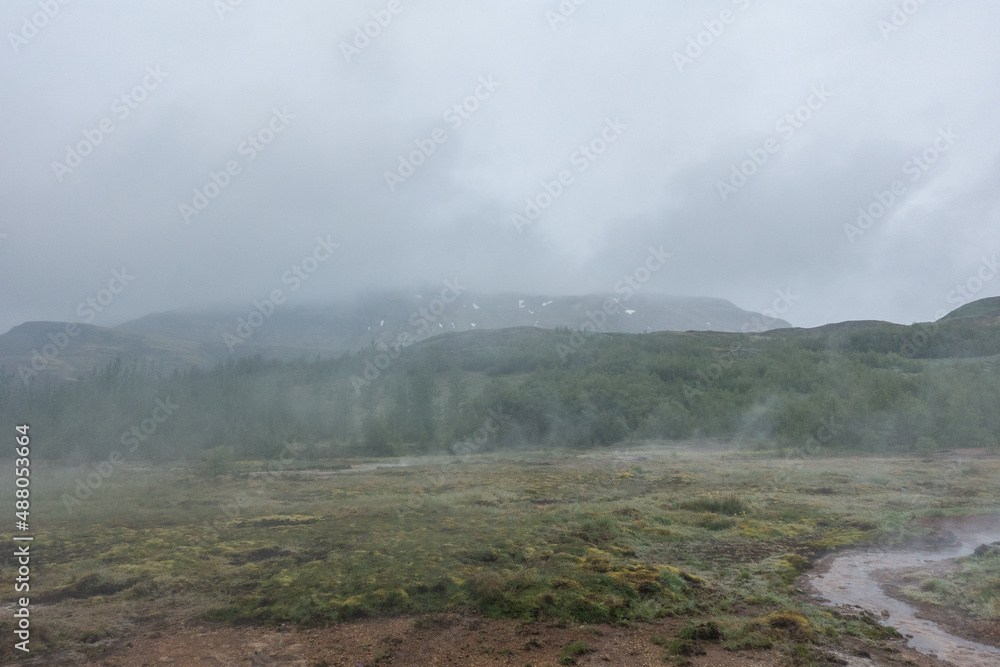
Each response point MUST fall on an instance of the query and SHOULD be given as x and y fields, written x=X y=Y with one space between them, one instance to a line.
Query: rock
x=984 y=550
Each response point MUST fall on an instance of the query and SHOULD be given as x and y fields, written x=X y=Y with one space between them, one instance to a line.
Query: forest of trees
x=871 y=389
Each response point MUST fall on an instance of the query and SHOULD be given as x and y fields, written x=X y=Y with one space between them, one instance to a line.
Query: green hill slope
x=986 y=310
x=871 y=388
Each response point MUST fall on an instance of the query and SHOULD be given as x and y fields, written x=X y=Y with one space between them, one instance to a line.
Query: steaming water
x=358 y=467
x=850 y=581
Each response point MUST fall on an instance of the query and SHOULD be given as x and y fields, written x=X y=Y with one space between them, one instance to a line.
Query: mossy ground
x=605 y=537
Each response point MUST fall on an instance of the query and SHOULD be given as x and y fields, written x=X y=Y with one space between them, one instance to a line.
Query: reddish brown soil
x=440 y=640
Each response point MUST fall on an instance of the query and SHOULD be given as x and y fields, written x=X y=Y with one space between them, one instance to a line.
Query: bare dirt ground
x=450 y=639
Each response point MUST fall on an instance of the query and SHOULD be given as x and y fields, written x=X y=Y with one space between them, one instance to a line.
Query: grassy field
x=696 y=531
x=973 y=585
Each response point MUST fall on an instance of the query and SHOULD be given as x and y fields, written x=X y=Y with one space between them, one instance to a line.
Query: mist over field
x=525 y=333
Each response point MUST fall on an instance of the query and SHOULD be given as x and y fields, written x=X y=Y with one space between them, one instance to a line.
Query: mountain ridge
x=182 y=338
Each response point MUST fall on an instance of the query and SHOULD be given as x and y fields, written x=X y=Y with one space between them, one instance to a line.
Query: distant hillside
x=870 y=387
x=986 y=311
x=835 y=328
x=201 y=338
x=38 y=350
x=182 y=339
x=970 y=331
x=385 y=318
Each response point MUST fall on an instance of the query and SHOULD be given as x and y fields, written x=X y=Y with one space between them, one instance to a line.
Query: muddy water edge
x=854 y=580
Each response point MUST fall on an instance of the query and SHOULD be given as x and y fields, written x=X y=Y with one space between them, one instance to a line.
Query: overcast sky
x=833 y=100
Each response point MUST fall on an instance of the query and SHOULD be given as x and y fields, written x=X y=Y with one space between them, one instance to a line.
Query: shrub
x=600 y=529
x=486 y=587
x=705 y=631
x=570 y=652
x=217 y=461
x=728 y=504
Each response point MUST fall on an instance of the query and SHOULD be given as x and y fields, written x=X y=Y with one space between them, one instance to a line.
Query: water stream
x=851 y=581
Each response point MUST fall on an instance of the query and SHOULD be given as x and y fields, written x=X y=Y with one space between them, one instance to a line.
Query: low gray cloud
x=116 y=117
